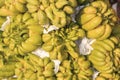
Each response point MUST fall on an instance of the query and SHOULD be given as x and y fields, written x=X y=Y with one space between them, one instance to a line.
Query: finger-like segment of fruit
x=20 y=7
x=6 y=74
x=31 y=8
x=47 y=47
x=105 y=69
x=86 y=18
x=92 y=24
x=110 y=43
x=107 y=32
x=42 y=17
x=72 y=51
x=68 y=9
x=106 y=75
x=28 y=47
x=114 y=39
x=28 y=74
x=56 y=21
x=13 y=9
x=46 y=37
x=104 y=7
x=26 y=16
x=104 y=45
x=100 y=4
x=98 y=53
x=73 y=3
x=96 y=33
x=99 y=48
x=61 y=5
x=5 y=12
x=100 y=78
x=35 y=2
x=89 y=10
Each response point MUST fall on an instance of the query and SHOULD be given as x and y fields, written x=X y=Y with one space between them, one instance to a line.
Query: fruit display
x=27 y=52
x=97 y=19
x=108 y=62
x=62 y=42
x=101 y=56
x=21 y=36
x=43 y=11
x=32 y=67
x=76 y=69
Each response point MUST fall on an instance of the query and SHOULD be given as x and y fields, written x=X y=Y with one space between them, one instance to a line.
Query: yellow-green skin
x=97 y=19
x=2 y=20
x=32 y=67
x=7 y=70
x=22 y=38
x=116 y=61
x=44 y=11
x=104 y=76
x=1 y=3
x=62 y=42
x=105 y=56
x=7 y=66
x=76 y=69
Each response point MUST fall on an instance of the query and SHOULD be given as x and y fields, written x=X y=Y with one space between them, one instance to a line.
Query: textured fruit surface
x=95 y=15
x=22 y=38
x=33 y=67
x=62 y=42
x=78 y=68
x=59 y=40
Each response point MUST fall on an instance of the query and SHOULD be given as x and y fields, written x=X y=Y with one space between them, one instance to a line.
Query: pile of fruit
x=75 y=20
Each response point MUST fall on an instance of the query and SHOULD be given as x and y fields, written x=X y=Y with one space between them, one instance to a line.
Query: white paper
x=95 y=74
x=5 y=23
x=114 y=7
x=48 y=28
x=41 y=53
x=85 y=46
x=76 y=12
x=57 y=64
